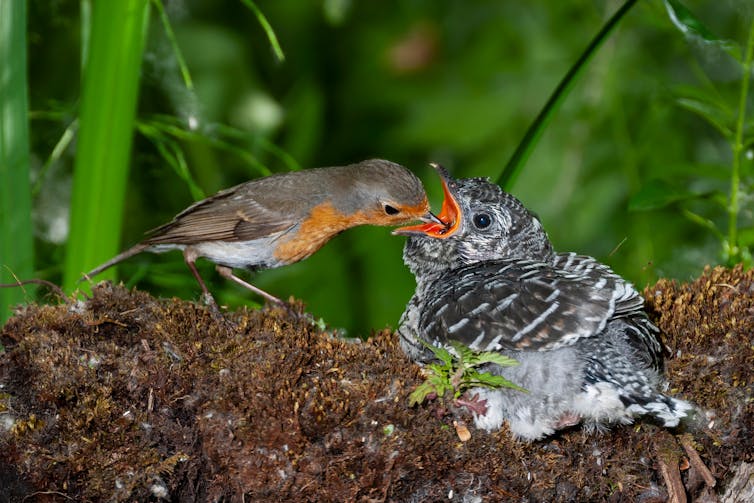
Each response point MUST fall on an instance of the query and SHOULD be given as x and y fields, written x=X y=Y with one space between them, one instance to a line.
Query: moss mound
x=128 y=398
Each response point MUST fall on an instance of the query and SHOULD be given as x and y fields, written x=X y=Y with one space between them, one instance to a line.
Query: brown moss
x=129 y=398
x=708 y=325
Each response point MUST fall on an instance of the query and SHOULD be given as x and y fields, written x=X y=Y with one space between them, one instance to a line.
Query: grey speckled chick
x=489 y=278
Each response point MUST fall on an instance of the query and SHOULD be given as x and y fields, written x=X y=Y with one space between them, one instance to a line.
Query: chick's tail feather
x=669 y=411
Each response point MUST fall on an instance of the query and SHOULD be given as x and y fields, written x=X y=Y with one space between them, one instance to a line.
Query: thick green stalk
x=108 y=107
x=733 y=249
x=16 y=243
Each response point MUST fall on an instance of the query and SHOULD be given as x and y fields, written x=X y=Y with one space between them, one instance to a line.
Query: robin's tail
x=134 y=250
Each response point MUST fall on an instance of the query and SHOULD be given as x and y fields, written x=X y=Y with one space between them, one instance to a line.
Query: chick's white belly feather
x=551 y=378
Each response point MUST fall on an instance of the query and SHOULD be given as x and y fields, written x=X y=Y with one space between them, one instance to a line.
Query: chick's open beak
x=446 y=223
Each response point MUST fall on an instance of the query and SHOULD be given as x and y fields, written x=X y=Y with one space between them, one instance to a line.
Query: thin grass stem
x=733 y=250
x=267 y=29
x=185 y=74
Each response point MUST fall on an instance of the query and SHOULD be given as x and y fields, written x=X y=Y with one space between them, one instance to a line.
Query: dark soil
x=128 y=398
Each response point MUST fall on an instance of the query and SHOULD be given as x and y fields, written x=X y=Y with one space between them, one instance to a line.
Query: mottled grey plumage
x=587 y=351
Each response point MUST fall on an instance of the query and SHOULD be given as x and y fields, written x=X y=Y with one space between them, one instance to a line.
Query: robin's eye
x=482 y=220
x=390 y=210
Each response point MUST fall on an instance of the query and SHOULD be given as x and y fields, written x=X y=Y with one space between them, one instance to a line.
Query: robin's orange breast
x=323 y=223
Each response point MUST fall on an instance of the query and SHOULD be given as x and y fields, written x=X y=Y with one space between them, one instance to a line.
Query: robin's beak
x=444 y=224
x=430 y=218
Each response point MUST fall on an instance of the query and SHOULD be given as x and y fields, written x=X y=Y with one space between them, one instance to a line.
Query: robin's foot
x=292 y=310
x=227 y=273
x=218 y=316
x=208 y=300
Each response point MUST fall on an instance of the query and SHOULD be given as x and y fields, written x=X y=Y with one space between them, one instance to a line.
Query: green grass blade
x=106 y=123
x=159 y=127
x=267 y=29
x=532 y=135
x=185 y=74
x=61 y=146
x=16 y=243
x=691 y=26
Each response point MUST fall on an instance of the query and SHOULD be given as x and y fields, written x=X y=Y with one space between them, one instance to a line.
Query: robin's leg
x=227 y=273
x=190 y=256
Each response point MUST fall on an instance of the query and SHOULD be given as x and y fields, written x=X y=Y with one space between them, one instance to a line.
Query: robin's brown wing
x=248 y=211
x=523 y=305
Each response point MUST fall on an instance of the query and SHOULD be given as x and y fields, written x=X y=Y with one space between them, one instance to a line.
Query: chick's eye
x=391 y=210
x=482 y=220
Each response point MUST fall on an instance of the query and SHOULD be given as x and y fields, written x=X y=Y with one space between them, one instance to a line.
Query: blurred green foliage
x=415 y=81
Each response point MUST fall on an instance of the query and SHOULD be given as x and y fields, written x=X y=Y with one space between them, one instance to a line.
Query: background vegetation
x=636 y=168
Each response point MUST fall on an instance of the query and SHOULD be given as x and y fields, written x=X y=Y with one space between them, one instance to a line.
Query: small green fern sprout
x=457 y=374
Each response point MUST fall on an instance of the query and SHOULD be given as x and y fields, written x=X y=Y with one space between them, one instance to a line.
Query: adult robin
x=281 y=219
x=488 y=277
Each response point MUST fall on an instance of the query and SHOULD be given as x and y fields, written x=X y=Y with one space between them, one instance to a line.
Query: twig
x=103 y=320
x=49 y=284
x=56 y=493
x=667 y=459
x=696 y=461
